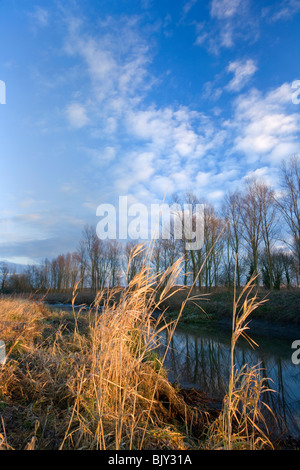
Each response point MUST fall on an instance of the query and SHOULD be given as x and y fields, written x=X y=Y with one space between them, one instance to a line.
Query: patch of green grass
x=282 y=306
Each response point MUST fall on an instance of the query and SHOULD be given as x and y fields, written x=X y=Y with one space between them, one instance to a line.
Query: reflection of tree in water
x=203 y=362
x=198 y=361
x=285 y=402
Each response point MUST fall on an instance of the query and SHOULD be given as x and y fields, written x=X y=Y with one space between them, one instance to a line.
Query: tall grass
x=242 y=423
x=95 y=381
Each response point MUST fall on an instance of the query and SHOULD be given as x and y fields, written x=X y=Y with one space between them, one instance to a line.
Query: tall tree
x=289 y=203
x=251 y=216
x=269 y=213
x=232 y=215
x=4 y=270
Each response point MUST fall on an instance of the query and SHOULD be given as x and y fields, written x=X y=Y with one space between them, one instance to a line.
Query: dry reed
x=95 y=381
x=242 y=423
x=104 y=389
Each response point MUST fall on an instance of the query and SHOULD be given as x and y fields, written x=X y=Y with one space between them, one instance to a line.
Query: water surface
x=200 y=357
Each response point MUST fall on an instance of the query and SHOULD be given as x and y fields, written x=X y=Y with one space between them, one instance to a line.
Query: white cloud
x=133 y=168
x=222 y=9
x=285 y=10
x=151 y=124
x=217 y=195
x=157 y=143
x=265 y=174
x=180 y=132
x=203 y=178
x=266 y=126
x=77 y=115
x=242 y=72
x=284 y=150
x=226 y=36
x=187 y=7
x=182 y=179
x=162 y=185
x=171 y=148
x=116 y=60
x=142 y=165
x=25 y=260
x=185 y=140
x=230 y=21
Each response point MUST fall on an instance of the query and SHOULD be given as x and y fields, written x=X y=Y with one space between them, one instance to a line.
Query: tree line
x=255 y=231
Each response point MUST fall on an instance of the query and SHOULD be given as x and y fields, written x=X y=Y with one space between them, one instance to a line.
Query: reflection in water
x=200 y=358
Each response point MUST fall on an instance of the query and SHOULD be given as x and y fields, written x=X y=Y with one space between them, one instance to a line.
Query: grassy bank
x=281 y=306
x=90 y=381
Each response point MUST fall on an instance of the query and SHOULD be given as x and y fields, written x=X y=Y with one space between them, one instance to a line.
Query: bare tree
x=74 y=270
x=114 y=249
x=82 y=260
x=230 y=259
x=289 y=203
x=156 y=255
x=54 y=274
x=269 y=216
x=251 y=216
x=213 y=245
x=91 y=246
x=133 y=260
x=4 y=275
x=193 y=258
x=232 y=215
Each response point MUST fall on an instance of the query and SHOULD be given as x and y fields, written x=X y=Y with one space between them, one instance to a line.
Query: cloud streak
x=242 y=73
x=230 y=21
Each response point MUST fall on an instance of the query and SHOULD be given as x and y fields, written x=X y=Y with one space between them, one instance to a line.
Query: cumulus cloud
x=182 y=131
x=266 y=126
x=264 y=173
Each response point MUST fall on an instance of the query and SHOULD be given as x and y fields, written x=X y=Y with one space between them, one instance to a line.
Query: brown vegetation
x=94 y=381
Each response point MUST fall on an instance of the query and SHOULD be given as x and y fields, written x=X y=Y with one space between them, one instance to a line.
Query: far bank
x=280 y=312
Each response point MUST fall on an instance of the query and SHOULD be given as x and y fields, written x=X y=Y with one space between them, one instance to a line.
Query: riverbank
x=279 y=315
x=87 y=382
x=280 y=306
x=75 y=381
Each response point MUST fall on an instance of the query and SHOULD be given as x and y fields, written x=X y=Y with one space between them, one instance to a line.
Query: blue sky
x=137 y=98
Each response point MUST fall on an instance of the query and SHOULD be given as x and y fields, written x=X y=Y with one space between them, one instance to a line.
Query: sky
x=137 y=98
